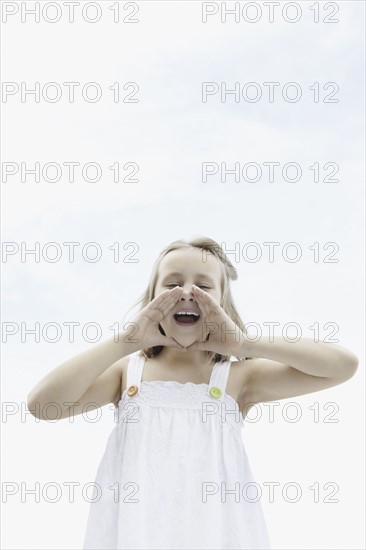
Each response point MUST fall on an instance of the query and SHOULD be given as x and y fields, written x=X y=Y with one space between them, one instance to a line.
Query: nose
x=187 y=293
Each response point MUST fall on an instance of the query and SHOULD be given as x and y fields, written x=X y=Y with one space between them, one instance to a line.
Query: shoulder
x=123 y=364
x=121 y=367
x=246 y=366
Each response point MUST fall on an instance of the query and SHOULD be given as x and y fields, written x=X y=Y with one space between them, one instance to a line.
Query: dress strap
x=134 y=370
x=218 y=380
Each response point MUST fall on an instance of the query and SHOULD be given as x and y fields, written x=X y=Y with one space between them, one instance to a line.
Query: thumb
x=199 y=346
x=169 y=341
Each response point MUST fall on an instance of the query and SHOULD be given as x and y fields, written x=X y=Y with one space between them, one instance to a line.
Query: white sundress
x=175 y=473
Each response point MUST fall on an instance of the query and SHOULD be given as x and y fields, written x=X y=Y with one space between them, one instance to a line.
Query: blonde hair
x=227 y=302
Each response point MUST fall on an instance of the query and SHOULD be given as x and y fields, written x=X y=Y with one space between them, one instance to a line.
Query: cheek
x=157 y=291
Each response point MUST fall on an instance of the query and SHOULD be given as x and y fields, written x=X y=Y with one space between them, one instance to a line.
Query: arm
x=281 y=369
x=91 y=376
x=83 y=378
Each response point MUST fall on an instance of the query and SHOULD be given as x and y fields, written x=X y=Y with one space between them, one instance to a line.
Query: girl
x=174 y=470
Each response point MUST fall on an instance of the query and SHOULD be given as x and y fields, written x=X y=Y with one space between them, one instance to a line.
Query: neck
x=185 y=359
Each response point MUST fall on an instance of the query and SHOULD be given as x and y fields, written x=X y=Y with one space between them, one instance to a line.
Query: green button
x=215 y=392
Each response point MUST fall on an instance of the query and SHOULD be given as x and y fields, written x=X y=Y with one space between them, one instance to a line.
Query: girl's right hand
x=147 y=320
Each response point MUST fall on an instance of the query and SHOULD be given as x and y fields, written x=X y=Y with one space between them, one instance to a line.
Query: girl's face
x=185 y=268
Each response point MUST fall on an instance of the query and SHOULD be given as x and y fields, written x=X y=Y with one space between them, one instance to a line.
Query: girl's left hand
x=219 y=333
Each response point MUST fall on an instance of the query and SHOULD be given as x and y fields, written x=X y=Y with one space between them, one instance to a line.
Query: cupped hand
x=219 y=332
x=147 y=321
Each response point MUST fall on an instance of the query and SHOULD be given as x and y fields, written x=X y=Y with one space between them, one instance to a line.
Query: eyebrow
x=199 y=275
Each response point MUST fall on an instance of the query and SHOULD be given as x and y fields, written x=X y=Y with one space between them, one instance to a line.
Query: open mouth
x=186 y=318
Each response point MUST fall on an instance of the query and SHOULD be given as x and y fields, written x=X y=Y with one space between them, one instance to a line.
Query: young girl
x=174 y=472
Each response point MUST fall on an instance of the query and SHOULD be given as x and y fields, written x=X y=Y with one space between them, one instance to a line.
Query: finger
x=165 y=302
x=173 y=296
x=171 y=342
x=167 y=295
x=205 y=300
x=197 y=346
x=203 y=296
x=197 y=292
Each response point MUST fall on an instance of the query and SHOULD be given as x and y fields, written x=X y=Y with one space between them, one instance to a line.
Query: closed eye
x=201 y=286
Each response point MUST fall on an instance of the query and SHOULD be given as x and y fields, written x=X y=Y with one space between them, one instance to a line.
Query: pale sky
x=169 y=133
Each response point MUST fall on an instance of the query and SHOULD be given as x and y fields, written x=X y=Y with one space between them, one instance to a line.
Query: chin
x=183 y=335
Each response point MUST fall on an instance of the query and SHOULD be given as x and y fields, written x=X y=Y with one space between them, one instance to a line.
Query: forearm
x=305 y=355
x=72 y=378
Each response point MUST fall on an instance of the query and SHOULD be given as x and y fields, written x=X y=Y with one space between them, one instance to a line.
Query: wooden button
x=132 y=390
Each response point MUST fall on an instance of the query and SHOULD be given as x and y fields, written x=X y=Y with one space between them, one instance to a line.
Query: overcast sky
x=168 y=134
